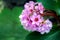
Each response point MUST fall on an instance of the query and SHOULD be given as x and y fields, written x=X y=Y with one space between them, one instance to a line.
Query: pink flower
x=29 y=5
x=36 y=19
x=32 y=20
x=45 y=27
x=26 y=6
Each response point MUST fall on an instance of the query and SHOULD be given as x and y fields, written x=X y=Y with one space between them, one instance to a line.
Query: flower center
x=31 y=10
x=36 y=19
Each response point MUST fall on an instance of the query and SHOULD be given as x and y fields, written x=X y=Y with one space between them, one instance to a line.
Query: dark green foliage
x=11 y=28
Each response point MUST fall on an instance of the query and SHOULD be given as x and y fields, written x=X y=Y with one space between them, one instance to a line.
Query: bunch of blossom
x=32 y=20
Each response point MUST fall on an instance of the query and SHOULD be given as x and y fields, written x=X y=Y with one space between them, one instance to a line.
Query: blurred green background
x=11 y=28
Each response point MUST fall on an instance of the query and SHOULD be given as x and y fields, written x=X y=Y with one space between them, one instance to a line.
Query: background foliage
x=11 y=28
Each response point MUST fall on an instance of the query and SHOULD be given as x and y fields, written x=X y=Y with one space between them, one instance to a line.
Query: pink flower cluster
x=32 y=20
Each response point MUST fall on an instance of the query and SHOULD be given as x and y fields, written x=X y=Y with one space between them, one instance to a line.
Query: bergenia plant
x=32 y=20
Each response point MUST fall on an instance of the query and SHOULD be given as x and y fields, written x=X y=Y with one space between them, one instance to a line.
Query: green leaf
x=57 y=7
x=10 y=26
x=52 y=35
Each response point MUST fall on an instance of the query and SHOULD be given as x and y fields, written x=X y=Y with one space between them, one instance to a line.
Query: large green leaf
x=52 y=35
x=10 y=27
